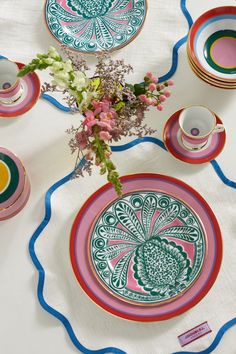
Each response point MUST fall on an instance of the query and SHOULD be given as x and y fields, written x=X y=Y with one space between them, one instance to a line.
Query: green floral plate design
x=147 y=247
x=95 y=25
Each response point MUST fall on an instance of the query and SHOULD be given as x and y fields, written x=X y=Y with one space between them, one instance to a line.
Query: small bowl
x=14 y=185
x=212 y=43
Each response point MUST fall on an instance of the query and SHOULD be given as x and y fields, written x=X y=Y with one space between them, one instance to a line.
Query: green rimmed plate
x=91 y=26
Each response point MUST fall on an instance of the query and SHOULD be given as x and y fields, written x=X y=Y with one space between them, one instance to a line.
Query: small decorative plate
x=149 y=255
x=30 y=94
x=95 y=25
x=212 y=43
x=173 y=143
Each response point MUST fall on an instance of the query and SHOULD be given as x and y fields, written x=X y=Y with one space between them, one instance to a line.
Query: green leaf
x=115 y=233
x=139 y=89
x=95 y=82
x=167 y=216
x=148 y=211
x=113 y=251
x=129 y=220
x=131 y=87
x=120 y=275
x=186 y=233
x=119 y=105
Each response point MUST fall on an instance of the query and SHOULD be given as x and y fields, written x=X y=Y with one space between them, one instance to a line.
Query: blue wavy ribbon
x=160 y=143
x=41 y=272
x=55 y=102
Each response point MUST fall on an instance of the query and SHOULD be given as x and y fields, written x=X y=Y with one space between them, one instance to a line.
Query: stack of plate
x=211 y=47
x=14 y=185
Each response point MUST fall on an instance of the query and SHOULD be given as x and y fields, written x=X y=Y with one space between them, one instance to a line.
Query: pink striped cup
x=197 y=124
x=10 y=85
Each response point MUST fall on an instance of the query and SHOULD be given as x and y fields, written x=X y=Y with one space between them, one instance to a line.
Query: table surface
x=38 y=138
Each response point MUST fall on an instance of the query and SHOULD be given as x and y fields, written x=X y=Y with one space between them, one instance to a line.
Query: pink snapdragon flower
x=104 y=135
x=89 y=118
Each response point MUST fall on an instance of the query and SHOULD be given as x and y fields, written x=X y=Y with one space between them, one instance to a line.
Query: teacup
x=10 y=85
x=197 y=124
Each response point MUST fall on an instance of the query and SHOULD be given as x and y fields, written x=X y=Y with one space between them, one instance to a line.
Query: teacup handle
x=219 y=128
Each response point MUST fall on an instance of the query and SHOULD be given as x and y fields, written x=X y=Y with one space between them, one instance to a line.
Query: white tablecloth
x=38 y=138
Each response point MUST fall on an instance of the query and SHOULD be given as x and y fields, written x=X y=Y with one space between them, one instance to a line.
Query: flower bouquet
x=109 y=107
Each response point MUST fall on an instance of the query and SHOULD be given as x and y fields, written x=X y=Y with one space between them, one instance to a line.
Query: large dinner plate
x=151 y=254
x=91 y=26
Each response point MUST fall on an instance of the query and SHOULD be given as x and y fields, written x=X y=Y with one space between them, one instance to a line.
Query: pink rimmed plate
x=151 y=254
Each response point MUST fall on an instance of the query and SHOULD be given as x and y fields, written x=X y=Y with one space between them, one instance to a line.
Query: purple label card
x=194 y=333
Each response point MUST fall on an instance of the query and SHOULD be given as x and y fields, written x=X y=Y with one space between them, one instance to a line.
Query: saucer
x=94 y=26
x=30 y=94
x=173 y=142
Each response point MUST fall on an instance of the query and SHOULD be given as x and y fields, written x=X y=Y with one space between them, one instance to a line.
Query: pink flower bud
x=170 y=82
x=154 y=79
x=162 y=98
x=154 y=102
x=162 y=87
x=152 y=87
x=142 y=98
x=149 y=74
x=167 y=93
x=160 y=107
x=149 y=101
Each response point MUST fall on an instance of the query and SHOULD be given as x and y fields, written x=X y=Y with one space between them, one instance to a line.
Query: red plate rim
x=184 y=308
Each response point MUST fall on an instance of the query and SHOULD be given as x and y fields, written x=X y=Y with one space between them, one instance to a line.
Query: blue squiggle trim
x=2 y=57
x=186 y=13
x=55 y=102
x=41 y=272
x=216 y=341
x=134 y=142
x=160 y=143
x=221 y=175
